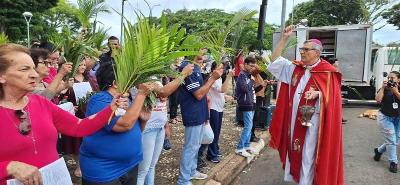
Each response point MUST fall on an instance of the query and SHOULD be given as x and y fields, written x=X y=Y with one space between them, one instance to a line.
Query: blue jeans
x=244 y=140
x=152 y=144
x=389 y=127
x=189 y=154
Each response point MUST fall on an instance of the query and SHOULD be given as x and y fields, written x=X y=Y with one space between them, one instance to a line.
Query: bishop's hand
x=311 y=94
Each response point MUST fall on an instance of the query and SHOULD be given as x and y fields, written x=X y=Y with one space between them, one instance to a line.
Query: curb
x=228 y=169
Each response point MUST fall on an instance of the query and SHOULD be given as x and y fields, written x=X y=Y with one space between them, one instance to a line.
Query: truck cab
x=386 y=59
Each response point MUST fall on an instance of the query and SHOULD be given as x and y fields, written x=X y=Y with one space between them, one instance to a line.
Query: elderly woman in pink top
x=29 y=122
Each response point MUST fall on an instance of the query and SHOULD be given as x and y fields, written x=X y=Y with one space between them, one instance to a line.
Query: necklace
x=31 y=134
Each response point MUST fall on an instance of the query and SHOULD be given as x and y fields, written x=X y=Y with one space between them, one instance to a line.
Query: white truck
x=352 y=46
x=386 y=59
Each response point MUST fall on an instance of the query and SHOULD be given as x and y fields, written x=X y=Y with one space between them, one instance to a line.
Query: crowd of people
x=51 y=113
x=115 y=141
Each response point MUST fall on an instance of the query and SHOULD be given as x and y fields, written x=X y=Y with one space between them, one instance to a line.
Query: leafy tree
x=329 y=12
x=375 y=10
x=200 y=21
x=62 y=16
x=13 y=23
x=393 y=44
x=393 y=15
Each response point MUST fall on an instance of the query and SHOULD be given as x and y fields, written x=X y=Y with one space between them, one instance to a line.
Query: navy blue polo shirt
x=194 y=112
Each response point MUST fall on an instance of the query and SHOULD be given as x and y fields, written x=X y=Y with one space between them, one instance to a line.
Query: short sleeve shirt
x=194 y=112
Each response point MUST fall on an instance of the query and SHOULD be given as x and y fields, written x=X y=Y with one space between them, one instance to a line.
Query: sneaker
x=201 y=164
x=252 y=151
x=393 y=167
x=378 y=155
x=219 y=154
x=199 y=176
x=167 y=144
x=214 y=159
x=242 y=152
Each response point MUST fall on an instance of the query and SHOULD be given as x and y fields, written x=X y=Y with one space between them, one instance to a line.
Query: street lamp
x=151 y=9
x=28 y=16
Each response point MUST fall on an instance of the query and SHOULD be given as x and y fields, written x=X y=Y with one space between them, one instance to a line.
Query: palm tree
x=217 y=40
x=88 y=9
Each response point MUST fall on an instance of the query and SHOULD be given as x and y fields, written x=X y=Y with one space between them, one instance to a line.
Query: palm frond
x=3 y=38
x=148 y=50
x=74 y=50
x=87 y=9
x=96 y=39
x=216 y=40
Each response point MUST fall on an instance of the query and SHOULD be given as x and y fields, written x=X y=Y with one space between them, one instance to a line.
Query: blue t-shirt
x=194 y=112
x=107 y=155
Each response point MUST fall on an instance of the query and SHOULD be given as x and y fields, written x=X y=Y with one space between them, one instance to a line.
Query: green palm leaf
x=74 y=50
x=87 y=9
x=216 y=40
x=148 y=50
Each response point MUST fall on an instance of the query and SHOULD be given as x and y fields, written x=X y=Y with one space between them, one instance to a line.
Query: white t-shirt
x=159 y=112
x=217 y=99
x=159 y=115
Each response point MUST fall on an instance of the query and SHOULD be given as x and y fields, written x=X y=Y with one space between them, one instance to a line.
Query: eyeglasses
x=306 y=49
x=45 y=62
x=24 y=126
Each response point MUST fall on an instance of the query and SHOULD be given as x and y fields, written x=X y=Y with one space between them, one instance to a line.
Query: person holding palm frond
x=112 y=155
x=194 y=110
x=154 y=133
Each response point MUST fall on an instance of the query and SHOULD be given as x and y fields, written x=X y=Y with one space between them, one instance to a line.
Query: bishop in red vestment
x=310 y=155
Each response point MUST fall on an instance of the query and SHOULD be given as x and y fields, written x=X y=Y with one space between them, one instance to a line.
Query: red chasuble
x=329 y=154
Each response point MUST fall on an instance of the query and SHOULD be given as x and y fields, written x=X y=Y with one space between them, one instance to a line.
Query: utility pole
x=261 y=24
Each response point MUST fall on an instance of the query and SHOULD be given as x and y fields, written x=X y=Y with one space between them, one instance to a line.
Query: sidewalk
x=232 y=165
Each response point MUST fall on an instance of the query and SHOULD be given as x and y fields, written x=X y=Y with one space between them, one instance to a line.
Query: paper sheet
x=55 y=173
x=81 y=89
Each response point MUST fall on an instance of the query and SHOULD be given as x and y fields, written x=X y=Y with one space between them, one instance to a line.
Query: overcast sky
x=383 y=36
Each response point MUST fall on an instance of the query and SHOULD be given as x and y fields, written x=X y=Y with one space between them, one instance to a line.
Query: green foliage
x=3 y=38
x=393 y=15
x=74 y=48
x=216 y=39
x=96 y=39
x=88 y=9
x=243 y=35
x=64 y=16
x=13 y=24
x=328 y=12
x=148 y=50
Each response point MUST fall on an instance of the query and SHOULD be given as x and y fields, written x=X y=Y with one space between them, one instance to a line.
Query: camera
x=391 y=83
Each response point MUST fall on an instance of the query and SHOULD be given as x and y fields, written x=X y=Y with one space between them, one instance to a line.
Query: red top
x=240 y=60
x=46 y=120
x=52 y=74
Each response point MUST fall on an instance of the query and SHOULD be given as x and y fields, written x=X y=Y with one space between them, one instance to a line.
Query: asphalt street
x=360 y=136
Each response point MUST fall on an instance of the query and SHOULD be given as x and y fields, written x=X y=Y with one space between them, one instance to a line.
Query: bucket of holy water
x=307 y=112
